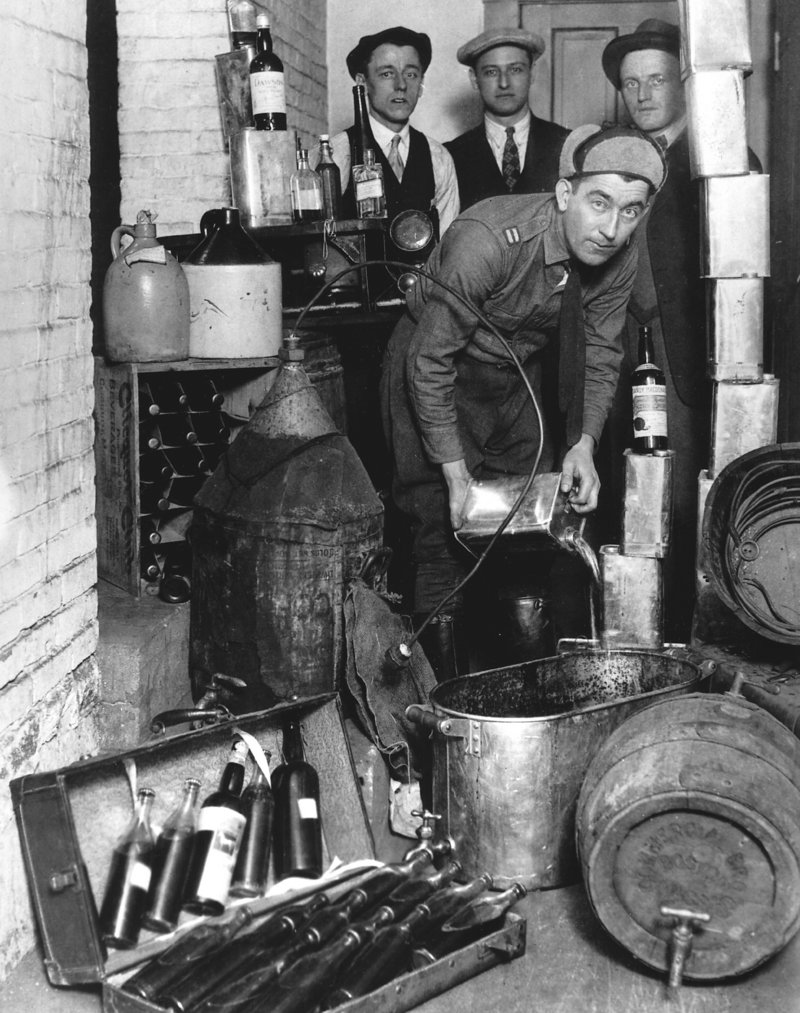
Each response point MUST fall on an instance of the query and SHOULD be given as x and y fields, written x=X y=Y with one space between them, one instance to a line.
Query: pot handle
x=426 y=718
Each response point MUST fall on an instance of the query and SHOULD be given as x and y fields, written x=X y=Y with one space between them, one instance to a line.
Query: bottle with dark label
x=185 y=955
x=266 y=82
x=125 y=896
x=252 y=866
x=649 y=393
x=369 y=189
x=171 y=863
x=305 y=187
x=363 y=134
x=328 y=172
x=220 y=826
x=298 y=830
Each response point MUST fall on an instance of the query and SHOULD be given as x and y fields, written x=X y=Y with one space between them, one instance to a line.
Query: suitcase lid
x=69 y=820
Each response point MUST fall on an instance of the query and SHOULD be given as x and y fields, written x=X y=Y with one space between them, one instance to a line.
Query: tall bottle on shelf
x=649 y=399
x=242 y=27
x=220 y=826
x=328 y=172
x=125 y=896
x=267 y=88
x=363 y=135
x=305 y=187
x=298 y=829
x=171 y=859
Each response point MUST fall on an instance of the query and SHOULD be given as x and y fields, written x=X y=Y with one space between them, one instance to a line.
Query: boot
x=440 y=644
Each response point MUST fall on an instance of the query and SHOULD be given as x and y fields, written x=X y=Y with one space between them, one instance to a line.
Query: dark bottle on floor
x=220 y=826
x=125 y=896
x=252 y=865
x=298 y=830
x=171 y=859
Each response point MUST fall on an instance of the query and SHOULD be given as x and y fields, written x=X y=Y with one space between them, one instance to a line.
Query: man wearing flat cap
x=668 y=296
x=551 y=269
x=511 y=151
x=418 y=171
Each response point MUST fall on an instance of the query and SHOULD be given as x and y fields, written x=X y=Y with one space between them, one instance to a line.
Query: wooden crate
x=243 y=382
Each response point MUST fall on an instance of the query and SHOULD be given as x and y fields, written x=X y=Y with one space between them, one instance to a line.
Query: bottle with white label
x=370 y=192
x=125 y=896
x=220 y=827
x=649 y=399
x=298 y=831
x=267 y=89
x=305 y=187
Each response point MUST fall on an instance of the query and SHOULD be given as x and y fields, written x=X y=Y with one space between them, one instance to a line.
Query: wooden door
x=570 y=87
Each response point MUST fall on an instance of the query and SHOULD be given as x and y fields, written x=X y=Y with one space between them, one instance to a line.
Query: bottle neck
x=190 y=789
x=292 y=742
x=264 y=39
x=646 y=355
x=233 y=775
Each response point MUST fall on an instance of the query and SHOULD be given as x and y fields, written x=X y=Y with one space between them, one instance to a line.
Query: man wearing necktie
x=511 y=151
x=668 y=296
x=418 y=171
x=551 y=269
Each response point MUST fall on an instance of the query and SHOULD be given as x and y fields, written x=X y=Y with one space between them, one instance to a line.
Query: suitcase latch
x=61 y=881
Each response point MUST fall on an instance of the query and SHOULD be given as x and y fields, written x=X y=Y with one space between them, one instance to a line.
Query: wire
x=481 y=317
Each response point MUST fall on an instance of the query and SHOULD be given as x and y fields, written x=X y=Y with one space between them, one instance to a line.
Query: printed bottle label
x=267 y=92
x=368 y=188
x=649 y=411
x=308 y=200
x=226 y=827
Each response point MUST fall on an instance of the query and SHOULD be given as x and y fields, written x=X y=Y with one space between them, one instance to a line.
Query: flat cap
x=358 y=57
x=651 y=34
x=590 y=150
x=470 y=51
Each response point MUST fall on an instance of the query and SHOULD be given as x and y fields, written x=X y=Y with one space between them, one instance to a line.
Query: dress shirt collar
x=383 y=136
x=673 y=131
x=496 y=132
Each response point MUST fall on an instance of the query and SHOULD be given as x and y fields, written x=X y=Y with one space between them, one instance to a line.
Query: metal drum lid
x=751 y=540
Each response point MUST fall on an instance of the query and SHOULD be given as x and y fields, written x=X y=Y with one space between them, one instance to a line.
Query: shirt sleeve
x=473 y=262
x=446 y=184
x=604 y=321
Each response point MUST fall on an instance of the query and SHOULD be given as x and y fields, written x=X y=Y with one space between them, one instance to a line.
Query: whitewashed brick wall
x=173 y=155
x=48 y=608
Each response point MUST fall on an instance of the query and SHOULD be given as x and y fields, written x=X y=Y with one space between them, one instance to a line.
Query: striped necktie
x=395 y=158
x=510 y=160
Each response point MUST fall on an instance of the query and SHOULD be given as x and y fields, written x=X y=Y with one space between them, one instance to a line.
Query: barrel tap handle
x=682 y=936
x=425 y=833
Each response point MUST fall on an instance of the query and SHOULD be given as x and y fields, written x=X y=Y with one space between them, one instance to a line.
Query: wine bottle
x=209 y=426
x=221 y=970
x=205 y=395
x=298 y=831
x=150 y=531
x=649 y=394
x=369 y=189
x=148 y=407
x=266 y=81
x=125 y=896
x=363 y=134
x=305 y=188
x=152 y=499
x=171 y=863
x=220 y=826
x=330 y=177
x=154 y=467
x=252 y=865
x=478 y=919
x=149 y=564
x=242 y=23
x=405 y=897
x=168 y=395
x=389 y=952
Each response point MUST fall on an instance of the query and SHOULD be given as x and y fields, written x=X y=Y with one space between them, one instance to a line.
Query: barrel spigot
x=425 y=833
x=683 y=930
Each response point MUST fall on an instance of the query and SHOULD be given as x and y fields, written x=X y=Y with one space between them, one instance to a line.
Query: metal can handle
x=426 y=718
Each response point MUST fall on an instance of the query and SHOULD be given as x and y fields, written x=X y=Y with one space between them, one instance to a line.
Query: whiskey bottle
x=125 y=896
x=220 y=826
x=298 y=831
x=252 y=865
x=305 y=187
x=267 y=88
x=173 y=852
x=369 y=189
x=649 y=396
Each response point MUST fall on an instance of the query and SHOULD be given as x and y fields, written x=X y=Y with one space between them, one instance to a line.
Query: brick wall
x=173 y=155
x=48 y=610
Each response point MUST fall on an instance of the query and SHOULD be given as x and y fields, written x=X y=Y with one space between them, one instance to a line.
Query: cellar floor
x=570 y=966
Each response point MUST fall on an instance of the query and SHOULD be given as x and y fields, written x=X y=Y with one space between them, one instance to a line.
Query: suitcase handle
x=207 y=716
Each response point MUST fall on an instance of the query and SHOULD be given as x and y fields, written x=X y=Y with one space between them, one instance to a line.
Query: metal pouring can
x=735 y=326
x=647 y=504
x=233 y=89
x=262 y=162
x=633 y=600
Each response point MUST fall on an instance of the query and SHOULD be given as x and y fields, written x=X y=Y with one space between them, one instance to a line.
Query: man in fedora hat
x=548 y=269
x=511 y=151
x=668 y=296
x=418 y=171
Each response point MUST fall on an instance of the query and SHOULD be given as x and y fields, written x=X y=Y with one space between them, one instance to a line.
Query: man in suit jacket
x=512 y=151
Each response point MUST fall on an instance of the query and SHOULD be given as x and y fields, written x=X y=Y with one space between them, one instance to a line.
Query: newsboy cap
x=591 y=150
x=651 y=34
x=358 y=58
x=470 y=51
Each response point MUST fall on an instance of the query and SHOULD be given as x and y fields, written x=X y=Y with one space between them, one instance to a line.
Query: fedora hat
x=651 y=34
x=358 y=57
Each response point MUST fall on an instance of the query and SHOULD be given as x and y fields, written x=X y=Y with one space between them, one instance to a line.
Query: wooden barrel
x=694 y=803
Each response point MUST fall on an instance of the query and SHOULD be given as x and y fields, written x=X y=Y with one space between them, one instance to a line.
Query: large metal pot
x=511 y=747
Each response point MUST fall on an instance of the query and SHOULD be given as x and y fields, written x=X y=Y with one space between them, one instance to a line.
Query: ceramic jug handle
x=116 y=238
x=210 y=221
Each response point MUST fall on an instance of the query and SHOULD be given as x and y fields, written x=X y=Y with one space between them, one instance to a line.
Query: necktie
x=395 y=159
x=662 y=141
x=571 y=357
x=510 y=160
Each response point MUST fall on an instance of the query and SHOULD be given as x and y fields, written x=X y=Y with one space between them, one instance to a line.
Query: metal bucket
x=511 y=746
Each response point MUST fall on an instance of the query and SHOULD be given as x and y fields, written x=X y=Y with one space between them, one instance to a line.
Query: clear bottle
x=125 y=896
x=171 y=862
x=298 y=831
x=369 y=189
x=649 y=397
x=267 y=87
x=252 y=865
x=242 y=27
x=305 y=186
x=328 y=172
x=220 y=826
